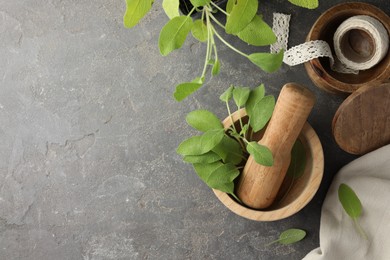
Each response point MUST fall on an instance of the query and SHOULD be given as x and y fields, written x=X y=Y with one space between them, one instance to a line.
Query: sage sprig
x=290 y=236
x=242 y=21
x=219 y=154
x=352 y=206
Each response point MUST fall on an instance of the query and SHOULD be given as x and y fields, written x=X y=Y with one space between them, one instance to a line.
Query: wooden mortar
x=294 y=193
x=258 y=184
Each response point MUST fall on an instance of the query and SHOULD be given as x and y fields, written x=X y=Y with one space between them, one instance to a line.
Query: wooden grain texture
x=300 y=193
x=362 y=122
x=323 y=29
x=258 y=184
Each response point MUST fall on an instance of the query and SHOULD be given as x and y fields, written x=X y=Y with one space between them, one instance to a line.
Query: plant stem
x=192 y=10
x=273 y=242
x=246 y=141
x=234 y=127
x=215 y=20
x=215 y=49
x=239 y=141
x=230 y=115
x=229 y=45
x=240 y=120
x=234 y=196
x=212 y=39
x=209 y=33
x=250 y=136
x=360 y=229
x=219 y=8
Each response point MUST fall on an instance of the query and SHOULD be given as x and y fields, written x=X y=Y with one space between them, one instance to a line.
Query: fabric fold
x=369 y=177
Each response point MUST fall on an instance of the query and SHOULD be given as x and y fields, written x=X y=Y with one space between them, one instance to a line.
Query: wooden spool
x=302 y=190
x=324 y=28
x=362 y=122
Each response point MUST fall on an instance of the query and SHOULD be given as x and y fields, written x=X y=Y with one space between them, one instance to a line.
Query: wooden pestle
x=258 y=185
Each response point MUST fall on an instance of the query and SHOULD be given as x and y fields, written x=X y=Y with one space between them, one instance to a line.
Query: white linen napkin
x=369 y=177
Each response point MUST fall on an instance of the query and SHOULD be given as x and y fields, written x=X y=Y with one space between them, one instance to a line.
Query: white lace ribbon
x=304 y=52
x=281 y=26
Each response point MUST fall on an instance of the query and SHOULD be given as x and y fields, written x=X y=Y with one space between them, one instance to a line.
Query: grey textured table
x=89 y=128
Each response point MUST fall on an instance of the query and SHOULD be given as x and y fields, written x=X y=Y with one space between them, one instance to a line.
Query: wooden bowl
x=302 y=190
x=323 y=29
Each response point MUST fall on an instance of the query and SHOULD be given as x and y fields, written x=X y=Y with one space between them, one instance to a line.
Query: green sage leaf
x=218 y=175
x=290 y=236
x=208 y=157
x=260 y=112
x=174 y=33
x=227 y=187
x=171 y=8
x=227 y=95
x=198 y=3
x=135 y=11
x=185 y=89
x=202 y=144
x=350 y=201
x=297 y=165
x=255 y=96
x=226 y=173
x=203 y=120
x=352 y=205
x=216 y=68
x=241 y=95
x=199 y=31
x=241 y=15
x=261 y=154
x=310 y=4
x=204 y=170
x=229 y=150
x=257 y=33
x=298 y=160
x=268 y=62
x=222 y=178
x=229 y=5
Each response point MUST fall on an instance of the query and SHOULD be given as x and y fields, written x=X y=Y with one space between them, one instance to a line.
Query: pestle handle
x=258 y=185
